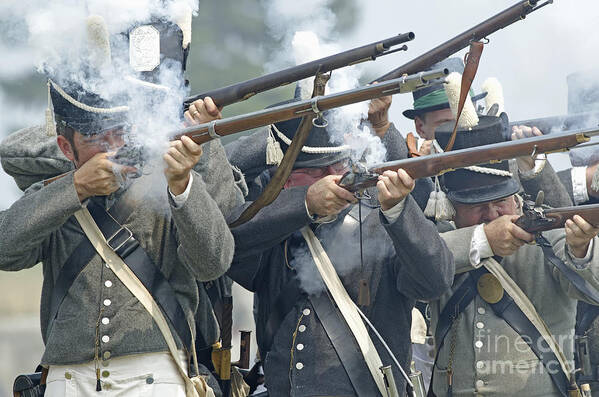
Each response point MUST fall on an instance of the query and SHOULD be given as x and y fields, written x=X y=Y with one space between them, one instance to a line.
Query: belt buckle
x=122 y=229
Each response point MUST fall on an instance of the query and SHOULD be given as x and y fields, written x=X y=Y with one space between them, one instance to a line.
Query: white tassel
x=494 y=91
x=274 y=154
x=431 y=205
x=50 y=125
x=469 y=118
x=444 y=209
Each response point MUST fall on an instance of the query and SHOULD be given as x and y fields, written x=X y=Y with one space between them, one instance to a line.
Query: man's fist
x=393 y=187
x=504 y=236
x=180 y=158
x=378 y=115
x=579 y=234
x=202 y=111
x=99 y=176
x=325 y=197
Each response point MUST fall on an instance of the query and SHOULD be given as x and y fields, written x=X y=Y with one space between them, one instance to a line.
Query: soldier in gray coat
x=306 y=346
x=98 y=331
x=486 y=346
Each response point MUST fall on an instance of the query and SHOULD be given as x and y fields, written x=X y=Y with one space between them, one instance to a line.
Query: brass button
x=302 y=328
x=106 y=355
x=67 y=375
x=108 y=283
x=105 y=374
x=105 y=338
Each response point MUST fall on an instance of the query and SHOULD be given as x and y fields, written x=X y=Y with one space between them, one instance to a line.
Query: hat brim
x=484 y=194
x=412 y=113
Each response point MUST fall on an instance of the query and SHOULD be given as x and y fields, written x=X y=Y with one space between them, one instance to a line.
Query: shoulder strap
x=516 y=321
x=346 y=307
x=577 y=281
x=137 y=288
x=121 y=240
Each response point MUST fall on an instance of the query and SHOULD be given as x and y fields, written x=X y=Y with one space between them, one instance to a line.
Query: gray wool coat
x=490 y=358
x=189 y=244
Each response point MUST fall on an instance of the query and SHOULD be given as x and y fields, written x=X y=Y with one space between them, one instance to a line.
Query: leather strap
x=272 y=190
x=471 y=60
x=587 y=318
x=78 y=260
x=345 y=345
x=583 y=286
x=139 y=290
x=509 y=311
x=124 y=244
x=412 y=143
x=346 y=306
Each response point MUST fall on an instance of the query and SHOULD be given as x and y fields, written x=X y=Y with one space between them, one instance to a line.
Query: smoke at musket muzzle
x=85 y=46
x=308 y=29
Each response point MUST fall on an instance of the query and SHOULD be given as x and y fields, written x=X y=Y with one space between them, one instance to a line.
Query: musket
x=565 y=122
x=202 y=133
x=537 y=218
x=246 y=89
x=499 y=21
x=360 y=177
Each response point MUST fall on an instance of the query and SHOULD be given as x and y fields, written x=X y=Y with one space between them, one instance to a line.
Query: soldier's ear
x=419 y=125
x=66 y=148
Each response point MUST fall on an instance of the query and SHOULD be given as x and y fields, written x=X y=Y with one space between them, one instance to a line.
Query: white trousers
x=147 y=375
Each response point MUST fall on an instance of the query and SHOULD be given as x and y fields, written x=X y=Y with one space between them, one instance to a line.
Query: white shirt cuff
x=182 y=198
x=393 y=213
x=579 y=185
x=479 y=246
x=581 y=263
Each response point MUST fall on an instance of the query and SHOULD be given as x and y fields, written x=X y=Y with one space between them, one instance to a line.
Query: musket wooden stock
x=246 y=89
x=202 y=133
x=499 y=21
x=436 y=164
x=541 y=220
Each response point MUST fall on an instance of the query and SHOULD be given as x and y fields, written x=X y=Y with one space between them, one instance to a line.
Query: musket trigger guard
x=212 y=130
x=485 y=40
x=534 y=152
x=323 y=122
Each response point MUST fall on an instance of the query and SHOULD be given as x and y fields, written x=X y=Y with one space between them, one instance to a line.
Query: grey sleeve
x=205 y=242
x=273 y=224
x=248 y=153
x=32 y=219
x=395 y=143
x=223 y=183
x=425 y=266
x=548 y=181
x=459 y=242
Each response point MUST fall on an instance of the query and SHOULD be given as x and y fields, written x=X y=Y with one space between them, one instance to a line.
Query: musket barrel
x=436 y=164
x=246 y=89
x=204 y=132
x=463 y=40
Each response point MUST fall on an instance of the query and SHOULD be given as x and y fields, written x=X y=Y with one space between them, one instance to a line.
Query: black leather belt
x=506 y=309
x=345 y=345
x=122 y=241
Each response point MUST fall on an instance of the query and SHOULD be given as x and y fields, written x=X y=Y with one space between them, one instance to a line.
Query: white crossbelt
x=526 y=306
x=195 y=387
x=346 y=307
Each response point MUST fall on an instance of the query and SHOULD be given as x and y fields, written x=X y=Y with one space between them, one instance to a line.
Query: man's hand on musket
x=504 y=236
x=579 y=234
x=525 y=163
x=202 y=111
x=325 y=197
x=393 y=187
x=378 y=115
x=99 y=176
x=180 y=158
